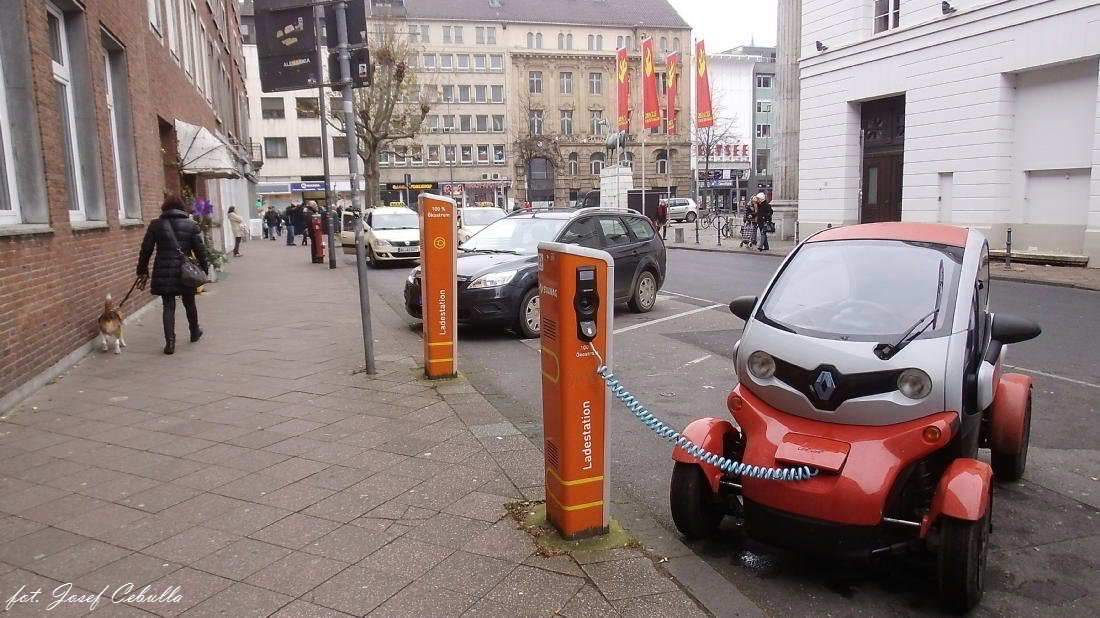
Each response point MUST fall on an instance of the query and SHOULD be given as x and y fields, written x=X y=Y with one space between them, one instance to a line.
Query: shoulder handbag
x=769 y=227
x=191 y=274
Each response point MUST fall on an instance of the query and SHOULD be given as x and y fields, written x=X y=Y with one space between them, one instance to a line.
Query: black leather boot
x=170 y=345
x=196 y=334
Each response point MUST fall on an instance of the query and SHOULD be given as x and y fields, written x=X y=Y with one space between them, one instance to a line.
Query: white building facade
x=984 y=115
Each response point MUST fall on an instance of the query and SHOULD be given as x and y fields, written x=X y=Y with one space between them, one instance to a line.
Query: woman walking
x=236 y=223
x=173 y=235
x=748 y=225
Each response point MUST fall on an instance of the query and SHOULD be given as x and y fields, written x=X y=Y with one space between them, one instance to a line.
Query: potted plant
x=201 y=211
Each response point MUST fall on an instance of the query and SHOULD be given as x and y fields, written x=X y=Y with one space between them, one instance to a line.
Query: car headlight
x=493 y=280
x=382 y=242
x=914 y=384
x=761 y=365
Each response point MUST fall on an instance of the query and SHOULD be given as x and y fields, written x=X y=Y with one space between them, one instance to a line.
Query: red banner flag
x=621 y=68
x=672 y=62
x=651 y=109
x=703 y=114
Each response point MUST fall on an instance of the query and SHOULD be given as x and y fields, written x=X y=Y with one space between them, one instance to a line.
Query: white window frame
x=595 y=83
x=450 y=153
x=565 y=121
x=483 y=148
x=13 y=215
x=112 y=120
x=565 y=82
x=498 y=127
x=63 y=76
x=494 y=90
x=892 y=15
x=466 y=152
x=499 y=149
x=156 y=15
x=173 y=36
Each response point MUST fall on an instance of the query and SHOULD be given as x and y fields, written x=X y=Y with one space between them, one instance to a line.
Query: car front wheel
x=645 y=293
x=528 y=320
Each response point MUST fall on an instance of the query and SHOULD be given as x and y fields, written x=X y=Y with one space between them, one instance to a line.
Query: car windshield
x=481 y=216
x=395 y=221
x=515 y=234
x=864 y=290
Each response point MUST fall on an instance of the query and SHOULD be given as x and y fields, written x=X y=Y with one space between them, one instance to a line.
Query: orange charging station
x=438 y=283
x=576 y=310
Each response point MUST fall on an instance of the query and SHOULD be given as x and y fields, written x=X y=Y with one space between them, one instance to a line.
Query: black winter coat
x=166 y=267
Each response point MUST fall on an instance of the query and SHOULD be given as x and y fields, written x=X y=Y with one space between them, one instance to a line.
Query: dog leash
x=124 y=298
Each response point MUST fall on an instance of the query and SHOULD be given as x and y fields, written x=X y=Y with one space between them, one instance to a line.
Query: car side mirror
x=1013 y=329
x=742 y=306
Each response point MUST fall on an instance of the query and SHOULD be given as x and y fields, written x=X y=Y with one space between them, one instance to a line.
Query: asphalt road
x=676 y=360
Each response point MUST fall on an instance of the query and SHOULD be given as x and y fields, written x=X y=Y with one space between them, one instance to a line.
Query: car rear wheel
x=1010 y=466
x=528 y=321
x=690 y=218
x=645 y=293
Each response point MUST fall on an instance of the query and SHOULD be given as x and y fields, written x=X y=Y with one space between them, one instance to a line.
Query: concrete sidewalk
x=260 y=472
x=706 y=239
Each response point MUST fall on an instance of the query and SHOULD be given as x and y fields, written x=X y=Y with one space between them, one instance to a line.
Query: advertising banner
x=622 y=69
x=672 y=62
x=704 y=116
x=651 y=109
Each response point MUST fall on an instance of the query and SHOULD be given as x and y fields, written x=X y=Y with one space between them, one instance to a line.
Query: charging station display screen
x=586 y=275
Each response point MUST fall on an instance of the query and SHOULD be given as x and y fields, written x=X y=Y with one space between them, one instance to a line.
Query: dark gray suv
x=498 y=266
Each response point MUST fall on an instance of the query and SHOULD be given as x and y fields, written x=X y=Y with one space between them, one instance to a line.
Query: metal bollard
x=1008 y=250
x=697 y=231
x=718 y=229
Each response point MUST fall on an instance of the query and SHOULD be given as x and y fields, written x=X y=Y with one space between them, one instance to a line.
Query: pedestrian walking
x=173 y=235
x=308 y=210
x=293 y=223
x=764 y=223
x=271 y=221
x=748 y=225
x=236 y=223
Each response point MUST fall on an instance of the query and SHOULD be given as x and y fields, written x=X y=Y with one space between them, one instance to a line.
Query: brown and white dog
x=110 y=325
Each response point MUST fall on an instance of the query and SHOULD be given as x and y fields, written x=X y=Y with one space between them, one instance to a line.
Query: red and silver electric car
x=873 y=359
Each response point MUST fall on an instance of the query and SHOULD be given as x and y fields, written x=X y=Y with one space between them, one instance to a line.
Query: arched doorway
x=540 y=182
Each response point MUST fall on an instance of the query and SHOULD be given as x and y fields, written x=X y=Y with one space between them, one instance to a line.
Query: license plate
x=408 y=249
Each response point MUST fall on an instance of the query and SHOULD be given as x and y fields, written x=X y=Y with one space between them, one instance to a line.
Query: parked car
x=391 y=235
x=473 y=218
x=498 y=267
x=681 y=209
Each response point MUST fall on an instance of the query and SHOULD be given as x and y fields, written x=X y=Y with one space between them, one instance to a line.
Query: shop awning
x=203 y=153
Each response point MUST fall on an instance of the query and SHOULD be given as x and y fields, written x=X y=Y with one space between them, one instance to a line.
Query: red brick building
x=105 y=107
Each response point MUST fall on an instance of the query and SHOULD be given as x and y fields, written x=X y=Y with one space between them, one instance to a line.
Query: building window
x=591 y=45
x=122 y=132
x=763 y=106
x=425 y=34
x=482 y=124
x=599 y=42
x=566 y=122
x=761 y=162
x=448 y=34
x=497 y=93
x=597 y=122
x=498 y=154
x=306 y=107
x=595 y=83
x=763 y=130
x=479 y=35
x=448 y=93
x=595 y=163
x=483 y=154
x=886 y=15
x=9 y=194
x=450 y=154
x=663 y=47
x=339 y=146
x=574 y=164
x=565 y=83
x=479 y=62
x=463 y=94
x=464 y=62
x=465 y=123
x=481 y=94
x=467 y=154
x=446 y=62
x=662 y=162
x=676 y=43
x=764 y=81
x=309 y=147
x=619 y=42
x=156 y=14
x=275 y=147
x=534 y=82
x=449 y=123
x=498 y=123
x=496 y=62
x=429 y=62
x=433 y=155
x=61 y=64
x=173 y=34
x=534 y=122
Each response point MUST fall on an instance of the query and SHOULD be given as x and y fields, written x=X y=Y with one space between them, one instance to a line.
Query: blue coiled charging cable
x=800 y=473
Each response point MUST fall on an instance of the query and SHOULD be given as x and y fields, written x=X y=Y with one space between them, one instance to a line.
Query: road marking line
x=1052 y=375
x=698 y=360
x=666 y=318
x=705 y=300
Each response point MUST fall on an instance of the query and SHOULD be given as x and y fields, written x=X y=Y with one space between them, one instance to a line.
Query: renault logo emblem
x=824 y=385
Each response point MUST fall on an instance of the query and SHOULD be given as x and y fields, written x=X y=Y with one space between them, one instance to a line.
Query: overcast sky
x=723 y=24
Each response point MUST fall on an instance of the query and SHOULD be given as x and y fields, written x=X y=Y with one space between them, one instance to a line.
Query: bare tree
x=392 y=108
x=721 y=133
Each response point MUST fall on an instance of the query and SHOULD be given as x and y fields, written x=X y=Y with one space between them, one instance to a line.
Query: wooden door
x=882 y=182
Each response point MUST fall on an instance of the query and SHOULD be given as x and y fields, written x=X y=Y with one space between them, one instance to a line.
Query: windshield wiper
x=886 y=351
